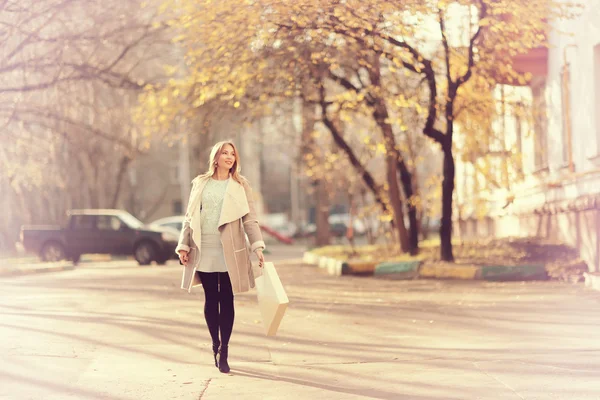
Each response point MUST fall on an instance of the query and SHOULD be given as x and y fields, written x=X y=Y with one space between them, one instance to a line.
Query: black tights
x=218 y=305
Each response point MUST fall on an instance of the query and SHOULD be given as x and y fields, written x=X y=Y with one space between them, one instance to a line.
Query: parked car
x=280 y=232
x=338 y=226
x=280 y=223
x=336 y=229
x=113 y=232
x=175 y=222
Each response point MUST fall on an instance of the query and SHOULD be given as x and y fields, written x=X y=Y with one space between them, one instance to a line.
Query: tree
x=494 y=32
x=215 y=34
x=236 y=48
x=69 y=76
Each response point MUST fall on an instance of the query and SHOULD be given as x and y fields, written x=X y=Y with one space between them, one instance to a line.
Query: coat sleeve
x=186 y=232
x=184 y=237
x=250 y=221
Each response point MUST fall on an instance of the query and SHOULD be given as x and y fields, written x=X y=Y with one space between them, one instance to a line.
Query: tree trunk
x=309 y=146
x=122 y=169
x=369 y=231
x=396 y=201
x=413 y=222
x=412 y=184
x=157 y=203
x=392 y=158
x=350 y=229
x=381 y=116
x=446 y=252
x=360 y=169
x=323 y=235
x=424 y=231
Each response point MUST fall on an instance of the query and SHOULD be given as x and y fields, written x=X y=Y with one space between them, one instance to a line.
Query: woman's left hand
x=261 y=258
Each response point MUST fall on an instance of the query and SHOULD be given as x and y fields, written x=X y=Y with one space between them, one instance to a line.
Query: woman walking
x=212 y=244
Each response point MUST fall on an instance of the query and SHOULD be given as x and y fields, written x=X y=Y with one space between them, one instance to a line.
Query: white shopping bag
x=272 y=299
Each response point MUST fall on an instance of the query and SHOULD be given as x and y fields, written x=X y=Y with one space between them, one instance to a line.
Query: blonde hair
x=235 y=169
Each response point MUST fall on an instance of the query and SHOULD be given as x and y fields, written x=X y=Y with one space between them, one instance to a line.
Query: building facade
x=558 y=194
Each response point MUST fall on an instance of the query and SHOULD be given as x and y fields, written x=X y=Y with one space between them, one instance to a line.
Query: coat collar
x=235 y=202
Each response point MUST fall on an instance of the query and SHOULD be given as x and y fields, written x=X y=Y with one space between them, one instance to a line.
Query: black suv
x=100 y=232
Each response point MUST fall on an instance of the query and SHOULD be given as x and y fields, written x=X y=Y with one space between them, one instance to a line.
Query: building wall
x=154 y=184
x=581 y=52
x=160 y=180
x=553 y=200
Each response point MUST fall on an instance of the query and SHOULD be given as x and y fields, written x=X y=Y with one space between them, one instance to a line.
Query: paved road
x=115 y=330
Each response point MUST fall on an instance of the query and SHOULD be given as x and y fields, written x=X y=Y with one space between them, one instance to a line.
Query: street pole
x=184 y=168
x=294 y=190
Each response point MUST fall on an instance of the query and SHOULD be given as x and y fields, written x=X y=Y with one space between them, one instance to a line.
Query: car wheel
x=53 y=252
x=145 y=253
x=75 y=258
x=162 y=261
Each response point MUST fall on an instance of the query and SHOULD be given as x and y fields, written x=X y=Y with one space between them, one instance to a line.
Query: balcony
x=535 y=62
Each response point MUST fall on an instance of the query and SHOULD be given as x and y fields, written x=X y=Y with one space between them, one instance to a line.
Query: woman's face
x=226 y=159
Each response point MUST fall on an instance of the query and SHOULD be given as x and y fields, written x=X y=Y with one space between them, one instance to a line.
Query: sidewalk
x=12 y=268
x=16 y=266
x=116 y=331
x=359 y=338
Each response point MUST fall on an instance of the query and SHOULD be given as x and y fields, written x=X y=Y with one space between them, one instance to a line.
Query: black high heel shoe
x=215 y=352
x=223 y=365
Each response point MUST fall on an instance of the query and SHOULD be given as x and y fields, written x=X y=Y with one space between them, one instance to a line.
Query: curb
x=448 y=271
x=439 y=270
x=37 y=270
x=333 y=266
x=310 y=258
x=592 y=280
x=516 y=273
x=398 y=269
x=490 y=273
x=358 y=267
x=336 y=267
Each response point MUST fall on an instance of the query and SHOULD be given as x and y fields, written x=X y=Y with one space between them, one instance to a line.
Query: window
x=540 y=124
x=519 y=112
x=108 y=223
x=82 y=222
x=567 y=152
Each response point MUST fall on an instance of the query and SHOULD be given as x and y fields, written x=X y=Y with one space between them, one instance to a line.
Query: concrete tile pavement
x=12 y=268
x=119 y=331
x=359 y=338
x=27 y=265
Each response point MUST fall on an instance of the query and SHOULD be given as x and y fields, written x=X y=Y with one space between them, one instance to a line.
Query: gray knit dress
x=212 y=258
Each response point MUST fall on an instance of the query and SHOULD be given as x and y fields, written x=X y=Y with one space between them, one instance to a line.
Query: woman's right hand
x=183 y=257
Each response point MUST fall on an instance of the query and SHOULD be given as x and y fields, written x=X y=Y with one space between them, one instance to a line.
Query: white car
x=344 y=219
x=174 y=223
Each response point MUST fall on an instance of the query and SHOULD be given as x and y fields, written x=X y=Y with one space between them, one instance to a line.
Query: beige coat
x=238 y=218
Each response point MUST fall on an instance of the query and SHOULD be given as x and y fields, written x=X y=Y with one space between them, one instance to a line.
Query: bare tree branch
x=45 y=118
x=446 y=46
x=344 y=82
x=467 y=75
